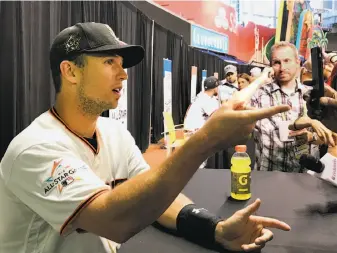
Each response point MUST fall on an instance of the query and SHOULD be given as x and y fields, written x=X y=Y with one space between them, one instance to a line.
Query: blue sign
x=207 y=39
x=204 y=74
x=167 y=66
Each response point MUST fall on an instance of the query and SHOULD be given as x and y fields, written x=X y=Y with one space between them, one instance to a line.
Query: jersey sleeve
x=53 y=182
x=136 y=161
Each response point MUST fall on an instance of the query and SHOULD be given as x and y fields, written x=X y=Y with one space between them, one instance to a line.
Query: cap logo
x=111 y=31
x=73 y=43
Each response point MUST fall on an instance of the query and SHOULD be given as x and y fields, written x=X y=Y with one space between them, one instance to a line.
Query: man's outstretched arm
x=120 y=213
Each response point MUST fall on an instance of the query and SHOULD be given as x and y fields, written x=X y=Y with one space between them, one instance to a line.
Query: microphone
x=311 y=163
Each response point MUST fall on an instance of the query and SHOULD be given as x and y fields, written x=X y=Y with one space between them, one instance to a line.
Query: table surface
x=291 y=197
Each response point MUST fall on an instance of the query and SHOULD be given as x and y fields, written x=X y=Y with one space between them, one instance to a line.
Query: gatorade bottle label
x=241 y=183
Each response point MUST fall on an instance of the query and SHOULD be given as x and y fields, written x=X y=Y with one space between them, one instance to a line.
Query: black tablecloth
x=293 y=198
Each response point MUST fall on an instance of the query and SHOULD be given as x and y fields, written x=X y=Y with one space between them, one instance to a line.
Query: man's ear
x=69 y=71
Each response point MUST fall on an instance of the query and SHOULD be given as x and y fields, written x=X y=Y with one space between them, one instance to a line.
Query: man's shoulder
x=43 y=130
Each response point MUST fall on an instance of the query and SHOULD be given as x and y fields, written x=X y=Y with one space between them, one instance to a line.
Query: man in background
x=230 y=84
x=204 y=105
x=273 y=152
x=201 y=109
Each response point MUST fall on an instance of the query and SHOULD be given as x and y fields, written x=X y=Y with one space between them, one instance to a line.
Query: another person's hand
x=302 y=136
x=328 y=57
x=245 y=231
x=330 y=97
x=267 y=75
x=323 y=132
x=329 y=101
x=229 y=125
x=325 y=135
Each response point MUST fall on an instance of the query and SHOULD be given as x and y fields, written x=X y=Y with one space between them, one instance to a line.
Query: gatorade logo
x=240 y=183
x=243 y=180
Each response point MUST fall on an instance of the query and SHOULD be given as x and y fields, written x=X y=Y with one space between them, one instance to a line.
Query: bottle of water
x=240 y=174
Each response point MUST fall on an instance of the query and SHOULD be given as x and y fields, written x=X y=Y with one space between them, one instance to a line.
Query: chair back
x=169 y=128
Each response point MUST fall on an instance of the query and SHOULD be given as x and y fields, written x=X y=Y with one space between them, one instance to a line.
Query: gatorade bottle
x=240 y=172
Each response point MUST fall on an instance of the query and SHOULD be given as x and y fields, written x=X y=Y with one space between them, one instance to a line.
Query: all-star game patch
x=62 y=175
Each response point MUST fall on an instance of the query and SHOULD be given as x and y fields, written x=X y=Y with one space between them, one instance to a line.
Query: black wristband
x=197 y=225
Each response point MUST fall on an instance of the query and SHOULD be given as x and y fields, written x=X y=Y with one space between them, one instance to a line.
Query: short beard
x=89 y=106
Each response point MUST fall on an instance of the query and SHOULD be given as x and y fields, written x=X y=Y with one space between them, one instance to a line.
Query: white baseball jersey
x=199 y=111
x=49 y=174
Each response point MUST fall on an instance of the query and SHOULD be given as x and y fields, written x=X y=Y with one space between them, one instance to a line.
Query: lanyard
x=281 y=100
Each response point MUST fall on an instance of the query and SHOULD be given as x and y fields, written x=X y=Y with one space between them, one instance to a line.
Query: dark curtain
x=135 y=28
x=27 y=31
x=174 y=52
x=204 y=61
x=171 y=46
x=185 y=70
x=159 y=53
x=26 y=89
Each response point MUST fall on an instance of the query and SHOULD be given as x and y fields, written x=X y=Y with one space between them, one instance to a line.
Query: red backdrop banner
x=217 y=16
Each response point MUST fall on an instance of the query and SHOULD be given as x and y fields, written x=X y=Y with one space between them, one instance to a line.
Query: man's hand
x=229 y=125
x=245 y=231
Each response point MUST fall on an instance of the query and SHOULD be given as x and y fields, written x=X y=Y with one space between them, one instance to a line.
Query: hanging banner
x=167 y=85
x=194 y=83
x=216 y=74
x=120 y=112
x=203 y=76
x=208 y=39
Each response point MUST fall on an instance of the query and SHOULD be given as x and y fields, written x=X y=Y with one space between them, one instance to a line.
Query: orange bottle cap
x=241 y=148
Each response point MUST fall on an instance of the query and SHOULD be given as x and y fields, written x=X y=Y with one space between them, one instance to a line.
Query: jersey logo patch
x=61 y=176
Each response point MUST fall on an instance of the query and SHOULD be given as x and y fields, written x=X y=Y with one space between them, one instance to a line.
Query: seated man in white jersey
x=201 y=109
x=59 y=177
x=204 y=105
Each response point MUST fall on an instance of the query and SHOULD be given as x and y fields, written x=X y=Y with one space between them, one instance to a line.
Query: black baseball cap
x=211 y=82
x=92 y=38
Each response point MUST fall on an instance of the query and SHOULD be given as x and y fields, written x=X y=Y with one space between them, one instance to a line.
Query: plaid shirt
x=271 y=152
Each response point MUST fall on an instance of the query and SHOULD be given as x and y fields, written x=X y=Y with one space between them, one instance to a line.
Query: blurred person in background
x=230 y=84
x=243 y=80
x=255 y=73
x=203 y=106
